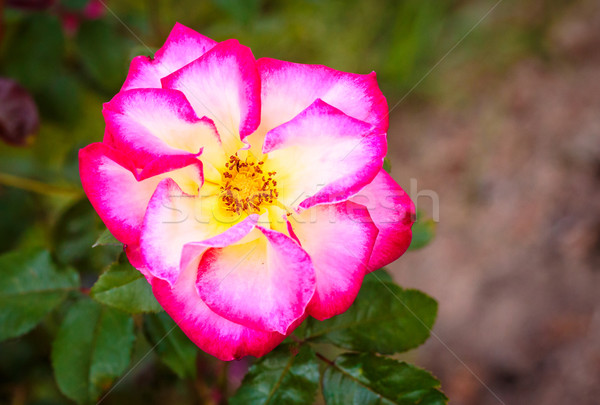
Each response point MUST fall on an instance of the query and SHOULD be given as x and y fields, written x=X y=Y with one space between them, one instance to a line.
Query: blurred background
x=495 y=111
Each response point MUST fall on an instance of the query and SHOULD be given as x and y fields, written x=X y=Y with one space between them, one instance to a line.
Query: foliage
x=423 y=231
x=366 y=378
x=123 y=287
x=67 y=294
x=288 y=375
x=31 y=286
x=91 y=349
x=171 y=344
x=384 y=319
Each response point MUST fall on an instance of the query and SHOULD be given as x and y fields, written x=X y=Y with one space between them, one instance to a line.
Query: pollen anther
x=245 y=187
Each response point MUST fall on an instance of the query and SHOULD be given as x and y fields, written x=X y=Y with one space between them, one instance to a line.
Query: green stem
x=37 y=186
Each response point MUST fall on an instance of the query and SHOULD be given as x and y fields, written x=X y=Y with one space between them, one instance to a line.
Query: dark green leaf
x=123 y=287
x=107 y=238
x=92 y=348
x=383 y=319
x=31 y=285
x=103 y=53
x=387 y=165
x=34 y=54
x=287 y=375
x=172 y=345
x=369 y=379
x=423 y=232
x=74 y=234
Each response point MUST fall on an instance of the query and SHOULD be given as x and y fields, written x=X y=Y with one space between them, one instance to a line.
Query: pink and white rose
x=250 y=193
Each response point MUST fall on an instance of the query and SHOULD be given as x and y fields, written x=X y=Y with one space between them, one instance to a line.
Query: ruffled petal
x=120 y=193
x=212 y=333
x=148 y=123
x=392 y=210
x=323 y=156
x=181 y=47
x=224 y=86
x=288 y=88
x=265 y=284
x=339 y=239
x=174 y=219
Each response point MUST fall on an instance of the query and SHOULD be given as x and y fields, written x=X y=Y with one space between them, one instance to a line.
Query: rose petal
x=174 y=219
x=181 y=47
x=264 y=284
x=149 y=123
x=224 y=86
x=289 y=88
x=214 y=334
x=323 y=154
x=119 y=193
x=339 y=239
x=392 y=210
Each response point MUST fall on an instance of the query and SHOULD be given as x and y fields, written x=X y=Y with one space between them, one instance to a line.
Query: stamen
x=245 y=187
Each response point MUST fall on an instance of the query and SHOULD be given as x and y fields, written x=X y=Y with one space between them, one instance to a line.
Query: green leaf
x=369 y=379
x=74 y=234
x=172 y=345
x=423 y=232
x=287 y=375
x=107 y=238
x=387 y=165
x=383 y=319
x=31 y=285
x=91 y=349
x=125 y=288
x=103 y=53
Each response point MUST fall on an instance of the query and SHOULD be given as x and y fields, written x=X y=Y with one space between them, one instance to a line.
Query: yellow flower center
x=245 y=187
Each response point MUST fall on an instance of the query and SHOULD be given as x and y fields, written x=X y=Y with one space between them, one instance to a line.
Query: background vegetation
x=459 y=76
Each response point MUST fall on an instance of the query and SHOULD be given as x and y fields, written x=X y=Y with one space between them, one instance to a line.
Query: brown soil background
x=515 y=160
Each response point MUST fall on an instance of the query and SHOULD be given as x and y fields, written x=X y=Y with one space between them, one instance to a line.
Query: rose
x=250 y=193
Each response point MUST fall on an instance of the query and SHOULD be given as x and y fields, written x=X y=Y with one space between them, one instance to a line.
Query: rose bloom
x=250 y=193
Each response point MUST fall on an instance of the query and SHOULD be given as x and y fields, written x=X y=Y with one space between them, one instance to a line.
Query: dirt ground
x=516 y=262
